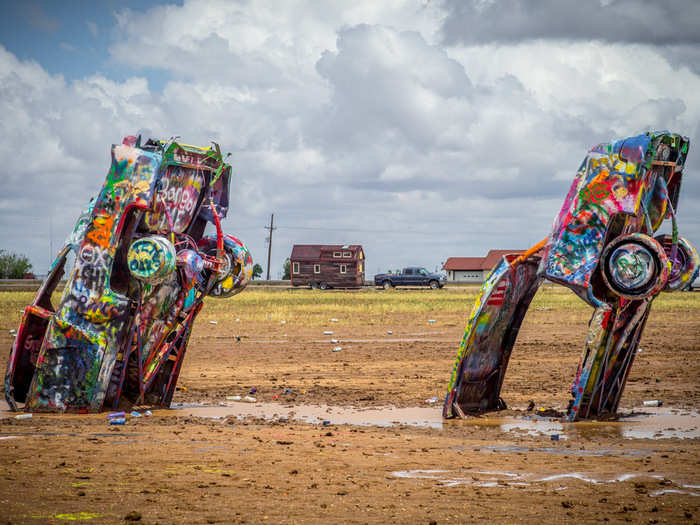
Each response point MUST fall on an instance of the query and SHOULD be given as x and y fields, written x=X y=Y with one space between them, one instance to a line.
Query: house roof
x=313 y=251
x=463 y=263
x=477 y=263
x=494 y=256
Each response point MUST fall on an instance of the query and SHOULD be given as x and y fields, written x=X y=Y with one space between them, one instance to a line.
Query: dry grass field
x=175 y=467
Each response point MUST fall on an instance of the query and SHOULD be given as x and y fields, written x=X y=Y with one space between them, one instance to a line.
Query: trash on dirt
x=431 y=321
x=325 y=422
x=554 y=437
x=117 y=421
x=238 y=338
x=148 y=413
x=233 y=398
x=23 y=416
x=13 y=331
x=143 y=267
x=213 y=322
x=334 y=320
x=389 y=332
x=238 y=319
x=283 y=321
x=327 y=332
x=602 y=247
x=275 y=396
x=334 y=341
x=252 y=390
x=249 y=399
x=288 y=391
x=653 y=403
x=116 y=414
x=134 y=413
x=337 y=348
x=432 y=400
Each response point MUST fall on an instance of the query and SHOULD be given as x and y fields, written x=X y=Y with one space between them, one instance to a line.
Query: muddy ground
x=178 y=468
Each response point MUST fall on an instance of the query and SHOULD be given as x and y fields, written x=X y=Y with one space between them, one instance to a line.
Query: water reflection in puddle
x=318 y=414
x=653 y=423
x=482 y=478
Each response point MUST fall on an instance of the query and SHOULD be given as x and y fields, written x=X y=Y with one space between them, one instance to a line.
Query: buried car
x=602 y=246
x=143 y=266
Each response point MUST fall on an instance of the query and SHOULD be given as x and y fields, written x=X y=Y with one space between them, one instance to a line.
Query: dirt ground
x=175 y=468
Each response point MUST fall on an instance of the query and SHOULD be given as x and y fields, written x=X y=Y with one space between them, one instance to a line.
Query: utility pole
x=271 y=228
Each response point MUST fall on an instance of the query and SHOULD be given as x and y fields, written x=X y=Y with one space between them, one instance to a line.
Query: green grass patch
x=316 y=307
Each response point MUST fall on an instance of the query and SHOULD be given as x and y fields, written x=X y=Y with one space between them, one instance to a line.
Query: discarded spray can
x=23 y=416
x=117 y=421
x=134 y=413
x=653 y=403
x=116 y=414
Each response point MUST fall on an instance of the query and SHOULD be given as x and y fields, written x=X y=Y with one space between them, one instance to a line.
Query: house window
x=336 y=254
x=347 y=255
x=343 y=268
x=317 y=268
x=295 y=267
x=359 y=268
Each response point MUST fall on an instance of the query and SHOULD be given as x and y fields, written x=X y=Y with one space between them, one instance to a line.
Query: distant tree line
x=13 y=266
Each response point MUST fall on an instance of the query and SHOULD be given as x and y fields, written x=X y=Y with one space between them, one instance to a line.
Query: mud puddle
x=321 y=414
x=650 y=424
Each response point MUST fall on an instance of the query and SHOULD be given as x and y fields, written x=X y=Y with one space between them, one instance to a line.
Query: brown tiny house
x=327 y=265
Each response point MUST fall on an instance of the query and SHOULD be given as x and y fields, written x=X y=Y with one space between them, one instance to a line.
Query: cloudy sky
x=420 y=129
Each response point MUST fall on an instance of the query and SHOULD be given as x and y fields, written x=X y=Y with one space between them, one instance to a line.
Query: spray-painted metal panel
x=142 y=269
x=602 y=247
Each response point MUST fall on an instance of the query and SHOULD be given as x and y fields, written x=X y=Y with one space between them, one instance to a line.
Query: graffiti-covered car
x=143 y=266
x=602 y=246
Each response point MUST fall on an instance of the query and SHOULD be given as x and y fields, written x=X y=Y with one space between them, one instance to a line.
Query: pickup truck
x=410 y=276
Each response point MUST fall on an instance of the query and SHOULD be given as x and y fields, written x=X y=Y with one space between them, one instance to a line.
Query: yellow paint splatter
x=75 y=516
